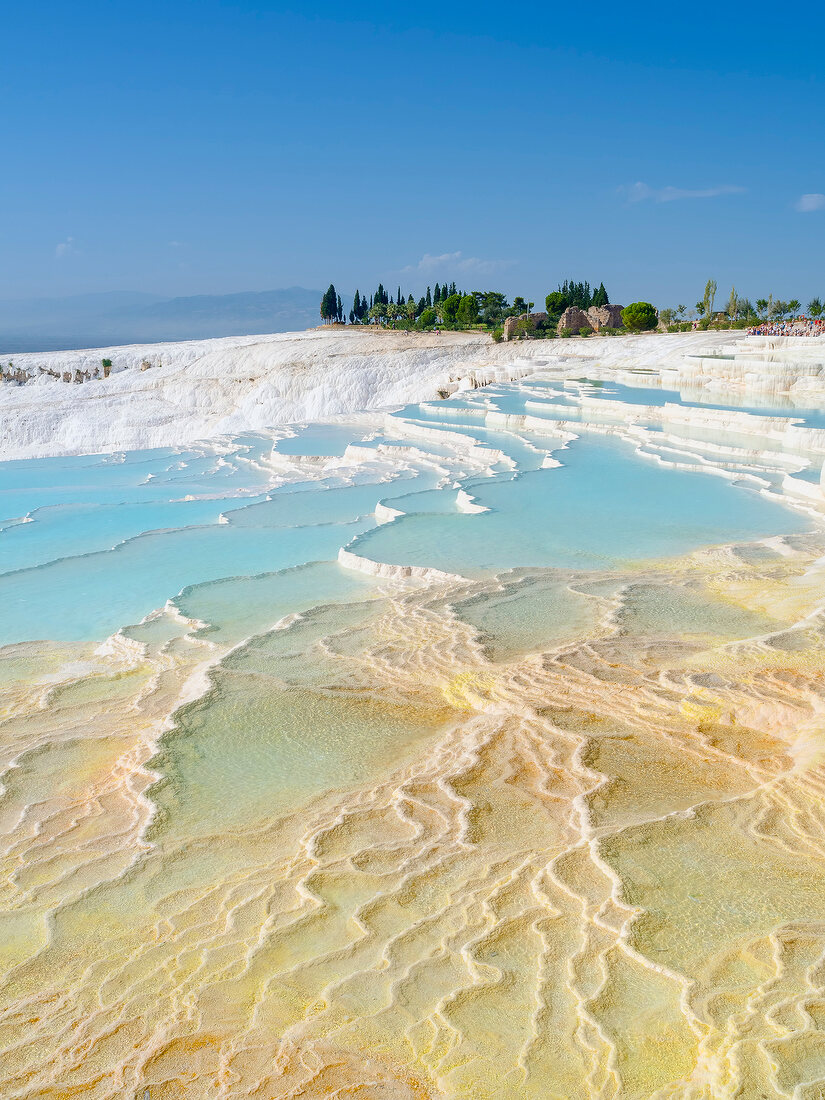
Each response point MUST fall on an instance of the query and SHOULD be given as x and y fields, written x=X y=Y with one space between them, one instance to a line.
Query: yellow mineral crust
x=596 y=871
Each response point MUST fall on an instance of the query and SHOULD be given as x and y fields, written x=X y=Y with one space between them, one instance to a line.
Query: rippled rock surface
x=472 y=749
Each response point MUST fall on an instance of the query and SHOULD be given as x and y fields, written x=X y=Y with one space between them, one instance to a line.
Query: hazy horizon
x=121 y=317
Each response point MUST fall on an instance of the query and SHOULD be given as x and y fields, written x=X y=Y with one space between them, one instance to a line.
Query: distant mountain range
x=123 y=317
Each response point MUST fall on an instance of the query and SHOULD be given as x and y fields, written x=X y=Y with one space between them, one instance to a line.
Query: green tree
x=428 y=318
x=449 y=308
x=577 y=294
x=744 y=308
x=491 y=304
x=815 y=307
x=600 y=296
x=709 y=297
x=667 y=316
x=733 y=305
x=429 y=299
x=467 y=312
x=794 y=307
x=329 y=304
x=762 y=306
x=681 y=310
x=556 y=303
x=436 y=295
x=639 y=317
x=379 y=312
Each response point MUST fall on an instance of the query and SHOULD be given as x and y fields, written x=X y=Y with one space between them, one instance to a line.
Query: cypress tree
x=429 y=299
x=453 y=289
x=356 y=305
x=329 y=304
x=437 y=294
x=339 y=308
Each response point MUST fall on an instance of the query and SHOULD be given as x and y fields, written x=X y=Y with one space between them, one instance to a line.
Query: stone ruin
x=600 y=317
x=511 y=323
x=573 y=318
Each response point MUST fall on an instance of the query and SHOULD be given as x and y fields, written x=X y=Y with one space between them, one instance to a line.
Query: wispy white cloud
x=453 y=263
x=641 y=192
x=806 y=204
x=64 y=247
x=176 y=244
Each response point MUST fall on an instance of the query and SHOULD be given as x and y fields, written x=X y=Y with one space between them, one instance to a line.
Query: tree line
x=737 y=311
x=449 y=306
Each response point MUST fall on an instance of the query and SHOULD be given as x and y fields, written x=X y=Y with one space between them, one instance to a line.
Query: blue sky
x=208 y=147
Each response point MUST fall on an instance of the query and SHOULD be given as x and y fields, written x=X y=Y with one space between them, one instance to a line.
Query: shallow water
x=548 y=827
x=603 y=506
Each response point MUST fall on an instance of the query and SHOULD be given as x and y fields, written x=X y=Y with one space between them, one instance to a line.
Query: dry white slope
x=206 y=388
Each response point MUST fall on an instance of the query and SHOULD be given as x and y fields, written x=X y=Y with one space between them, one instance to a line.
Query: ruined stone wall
x=574 y=319
x=511 y=323
x=604 y=317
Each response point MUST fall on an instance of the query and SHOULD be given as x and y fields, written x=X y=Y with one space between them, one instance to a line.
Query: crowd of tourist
x=799 y=326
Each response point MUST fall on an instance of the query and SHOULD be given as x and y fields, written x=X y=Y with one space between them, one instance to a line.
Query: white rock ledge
x=387 y=571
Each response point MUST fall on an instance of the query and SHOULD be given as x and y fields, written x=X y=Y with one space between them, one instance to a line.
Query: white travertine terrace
x=203 y=389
